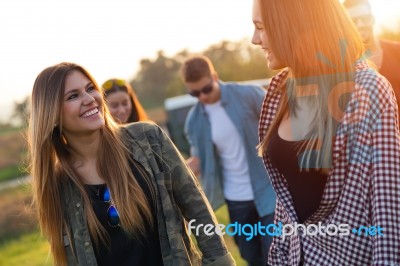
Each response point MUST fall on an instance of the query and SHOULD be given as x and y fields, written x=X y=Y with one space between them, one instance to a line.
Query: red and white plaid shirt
x=363 y=186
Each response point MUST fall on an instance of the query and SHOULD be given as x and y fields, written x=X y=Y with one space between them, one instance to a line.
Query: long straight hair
x=51 y=166
x=320 y=46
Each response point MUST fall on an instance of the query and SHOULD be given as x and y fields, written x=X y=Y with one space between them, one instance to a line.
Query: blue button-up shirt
x=243 y=104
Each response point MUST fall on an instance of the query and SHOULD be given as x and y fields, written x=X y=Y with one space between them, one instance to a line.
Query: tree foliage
x=160 y=78
x=238 y=61
x=21 y=111
x=154 y=80
x=234 y=61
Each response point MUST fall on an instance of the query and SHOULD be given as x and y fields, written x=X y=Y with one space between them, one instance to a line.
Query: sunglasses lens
x=207 y=89
x=367 y=19
x=106 y=195
x=112 y=216
x=120 y=82
x=107 y=85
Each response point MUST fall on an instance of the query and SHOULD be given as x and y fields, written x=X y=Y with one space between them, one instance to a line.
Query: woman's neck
x=86 y=149
x=85 y=146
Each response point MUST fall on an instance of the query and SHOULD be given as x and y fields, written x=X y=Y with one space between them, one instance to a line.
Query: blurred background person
x=384 y=54
x=329 y=138
x=122 y=102
x=222 y=131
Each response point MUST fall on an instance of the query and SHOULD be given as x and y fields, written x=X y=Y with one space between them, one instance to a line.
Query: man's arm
x=194 y=161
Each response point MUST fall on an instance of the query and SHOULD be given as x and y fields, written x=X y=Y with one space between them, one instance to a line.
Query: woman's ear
x=215 y=76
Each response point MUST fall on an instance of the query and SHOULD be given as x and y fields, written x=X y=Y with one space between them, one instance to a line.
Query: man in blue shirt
x=222 y=131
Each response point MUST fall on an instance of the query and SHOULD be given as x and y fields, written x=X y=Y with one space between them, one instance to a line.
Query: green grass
x=30 y=249
x=21 y=243
x=6 y=130
x=223 y=218
x=10 y=172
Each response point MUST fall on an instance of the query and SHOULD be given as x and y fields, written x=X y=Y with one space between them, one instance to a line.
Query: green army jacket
x=179 y=198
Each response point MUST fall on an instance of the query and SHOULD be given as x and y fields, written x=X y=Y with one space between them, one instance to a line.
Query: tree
x=21 y=111
x=154 y=79
x=159 y=79
x=238 y=61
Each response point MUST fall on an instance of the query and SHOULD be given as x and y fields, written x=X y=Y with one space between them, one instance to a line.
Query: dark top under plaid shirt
x=363 y=187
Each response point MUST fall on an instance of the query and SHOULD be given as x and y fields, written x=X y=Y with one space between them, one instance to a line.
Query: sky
x=109 y=38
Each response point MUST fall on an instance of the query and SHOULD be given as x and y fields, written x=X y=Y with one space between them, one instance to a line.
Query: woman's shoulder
x=142 y=130
x=376 y=86
x=372 y=95
x=143 y=125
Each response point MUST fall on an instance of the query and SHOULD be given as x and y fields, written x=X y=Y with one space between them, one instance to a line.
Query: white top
x=235 y=169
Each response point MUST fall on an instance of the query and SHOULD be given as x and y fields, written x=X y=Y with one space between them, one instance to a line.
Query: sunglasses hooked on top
x=205 y=90
x=109 y=84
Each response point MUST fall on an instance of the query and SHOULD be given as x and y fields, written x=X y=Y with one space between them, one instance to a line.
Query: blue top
x=243 y=104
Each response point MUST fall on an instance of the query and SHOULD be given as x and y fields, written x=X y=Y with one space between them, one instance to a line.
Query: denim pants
x=255 y=250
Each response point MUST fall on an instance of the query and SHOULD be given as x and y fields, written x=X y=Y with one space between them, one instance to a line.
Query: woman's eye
x=258 y=26
x=90 y=88
x=72 y=96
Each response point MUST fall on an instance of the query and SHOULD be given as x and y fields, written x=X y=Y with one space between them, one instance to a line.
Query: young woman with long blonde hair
x=329 y=138
x=107 y=194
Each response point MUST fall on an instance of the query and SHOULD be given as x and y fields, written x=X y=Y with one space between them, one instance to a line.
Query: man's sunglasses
x=366 y=19
x=112 y=213
x=206 y=90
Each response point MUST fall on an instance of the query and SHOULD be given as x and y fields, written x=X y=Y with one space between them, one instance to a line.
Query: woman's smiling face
x=82 y=105
x=260 y=38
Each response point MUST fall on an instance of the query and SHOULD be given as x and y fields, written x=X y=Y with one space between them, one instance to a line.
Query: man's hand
x=194 y=164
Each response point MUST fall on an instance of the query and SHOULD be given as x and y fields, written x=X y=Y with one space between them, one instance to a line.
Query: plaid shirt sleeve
x=385 y=185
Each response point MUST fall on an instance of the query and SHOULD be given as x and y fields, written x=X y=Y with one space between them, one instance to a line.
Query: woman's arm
x=194 y=205
x=385 y=187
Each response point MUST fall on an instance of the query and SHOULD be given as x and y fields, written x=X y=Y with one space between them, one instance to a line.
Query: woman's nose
x=255 y=39
x=88 y=99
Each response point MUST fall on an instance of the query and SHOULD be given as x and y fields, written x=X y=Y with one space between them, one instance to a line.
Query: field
x=20 y=240
x=13 y=147
x=12 y=154
x=28 y=249
x=21 y=243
